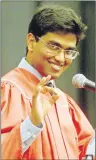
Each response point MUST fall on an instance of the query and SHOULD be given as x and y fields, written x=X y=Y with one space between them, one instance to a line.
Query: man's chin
x=55 y=75
x=58 y=74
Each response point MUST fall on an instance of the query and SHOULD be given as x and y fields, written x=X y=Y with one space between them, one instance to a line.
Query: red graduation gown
x=66 y=130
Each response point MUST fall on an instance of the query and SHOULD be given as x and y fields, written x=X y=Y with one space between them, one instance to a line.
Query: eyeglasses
x=55 y=50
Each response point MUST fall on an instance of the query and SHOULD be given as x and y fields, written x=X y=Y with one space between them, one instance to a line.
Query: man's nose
x=60 y=57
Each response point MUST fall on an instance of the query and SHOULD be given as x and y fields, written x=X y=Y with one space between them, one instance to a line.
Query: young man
x=39 y=121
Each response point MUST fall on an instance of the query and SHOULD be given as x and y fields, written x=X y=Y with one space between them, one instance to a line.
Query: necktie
x=50 y=84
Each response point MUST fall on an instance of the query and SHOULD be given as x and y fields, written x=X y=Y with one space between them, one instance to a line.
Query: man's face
x=44 y=58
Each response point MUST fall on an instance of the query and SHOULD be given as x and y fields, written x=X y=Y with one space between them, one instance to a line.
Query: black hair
x=56 y=18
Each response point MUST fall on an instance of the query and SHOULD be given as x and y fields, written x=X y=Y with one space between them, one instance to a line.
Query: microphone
x=80 y=81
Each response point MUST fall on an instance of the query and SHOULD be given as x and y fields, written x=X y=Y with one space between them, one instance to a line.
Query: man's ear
x=30 y=41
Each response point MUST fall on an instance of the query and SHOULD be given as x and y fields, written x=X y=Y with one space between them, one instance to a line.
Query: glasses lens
x=71 y=54
x=54 y=49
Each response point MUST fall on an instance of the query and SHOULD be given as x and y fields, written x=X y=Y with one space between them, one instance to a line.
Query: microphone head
x=78 y=80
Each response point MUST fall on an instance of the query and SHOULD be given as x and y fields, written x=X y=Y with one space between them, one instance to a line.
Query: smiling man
x=39 y=121
x=53 y=51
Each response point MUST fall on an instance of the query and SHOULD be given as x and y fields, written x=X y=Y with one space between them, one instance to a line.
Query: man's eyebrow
x=55 y=43
x=71 y=48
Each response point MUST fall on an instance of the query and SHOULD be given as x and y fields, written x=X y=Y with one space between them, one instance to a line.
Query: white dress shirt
x=91 y=149
x=29 y=131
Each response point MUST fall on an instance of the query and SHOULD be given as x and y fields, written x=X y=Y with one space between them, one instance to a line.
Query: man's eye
x=53 y=47
x=69 y=52
x=72 y=53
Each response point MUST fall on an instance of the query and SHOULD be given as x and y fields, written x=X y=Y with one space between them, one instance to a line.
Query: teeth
x=56 y=67
x=55 y=64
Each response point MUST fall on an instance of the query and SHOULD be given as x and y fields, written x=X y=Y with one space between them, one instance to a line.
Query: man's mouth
x=55 y=66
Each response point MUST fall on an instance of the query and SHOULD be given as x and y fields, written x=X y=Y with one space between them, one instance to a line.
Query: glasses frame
x=61 y=49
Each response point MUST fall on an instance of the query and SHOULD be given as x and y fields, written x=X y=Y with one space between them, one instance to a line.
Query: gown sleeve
x=12 y=111
x=83 y=127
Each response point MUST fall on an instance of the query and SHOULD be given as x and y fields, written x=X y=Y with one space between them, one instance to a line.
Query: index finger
x=44 y=80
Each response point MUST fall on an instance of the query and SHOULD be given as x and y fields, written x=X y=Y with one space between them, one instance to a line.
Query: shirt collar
x=25 y=65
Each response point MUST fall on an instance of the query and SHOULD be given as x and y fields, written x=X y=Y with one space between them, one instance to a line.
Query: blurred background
x=15 y=18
